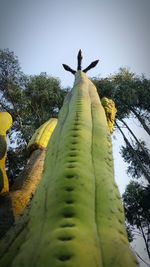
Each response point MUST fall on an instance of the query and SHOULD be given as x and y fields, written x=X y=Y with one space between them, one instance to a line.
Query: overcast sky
x=46 y=33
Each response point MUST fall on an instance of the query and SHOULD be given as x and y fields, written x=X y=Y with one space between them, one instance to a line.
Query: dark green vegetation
x=31 y=100
x=137 y=210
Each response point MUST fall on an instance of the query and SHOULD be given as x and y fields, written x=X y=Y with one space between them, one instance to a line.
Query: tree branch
x=132 y=149
x=141 y=258
x=145 y=152
x=144 y=237
x=141 y=120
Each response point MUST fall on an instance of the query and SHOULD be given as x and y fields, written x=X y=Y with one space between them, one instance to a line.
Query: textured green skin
x=109 y=210
x=76 y=217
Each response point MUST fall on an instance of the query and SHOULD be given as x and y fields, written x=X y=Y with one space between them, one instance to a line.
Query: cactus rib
x=76 y=217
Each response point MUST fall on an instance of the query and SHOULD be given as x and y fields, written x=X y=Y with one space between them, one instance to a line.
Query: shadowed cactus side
x=5 y=124
x=76 y=217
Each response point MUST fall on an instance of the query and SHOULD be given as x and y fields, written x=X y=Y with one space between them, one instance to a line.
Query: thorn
x=67 y=68
x=79 y=59
x=91 y=66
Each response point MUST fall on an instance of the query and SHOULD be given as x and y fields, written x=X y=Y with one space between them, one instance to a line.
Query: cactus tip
x=79 y=66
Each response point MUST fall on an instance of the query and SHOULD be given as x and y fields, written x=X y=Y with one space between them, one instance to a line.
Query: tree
x=137 y=210
x=12 y=84
x=44 y=99
x=30 y=100
x=135 y=162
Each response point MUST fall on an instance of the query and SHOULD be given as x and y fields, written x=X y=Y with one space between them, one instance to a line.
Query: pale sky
x=46 y=33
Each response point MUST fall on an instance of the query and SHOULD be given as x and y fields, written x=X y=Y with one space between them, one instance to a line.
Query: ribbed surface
x=76 y=214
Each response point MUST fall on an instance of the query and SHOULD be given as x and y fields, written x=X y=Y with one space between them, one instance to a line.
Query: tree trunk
x=138 y=160
x=145 y=152
x=141 y=120
x=146 y=244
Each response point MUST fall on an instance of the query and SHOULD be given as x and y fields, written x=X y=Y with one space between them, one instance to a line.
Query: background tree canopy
x=32 y=100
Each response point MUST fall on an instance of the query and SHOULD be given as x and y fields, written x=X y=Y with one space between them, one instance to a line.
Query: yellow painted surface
x=110 y=111
x=5 y=124
x=42 y=135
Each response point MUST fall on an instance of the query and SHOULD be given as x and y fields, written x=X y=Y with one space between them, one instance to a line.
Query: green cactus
x=76 y=217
